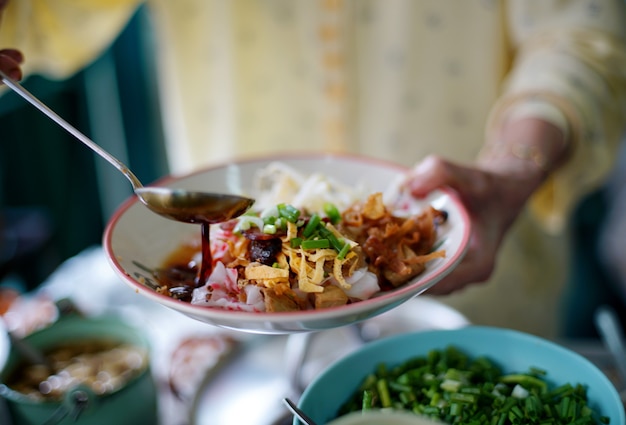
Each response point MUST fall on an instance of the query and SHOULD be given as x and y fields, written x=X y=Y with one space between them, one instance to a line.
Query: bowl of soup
x=96 y=371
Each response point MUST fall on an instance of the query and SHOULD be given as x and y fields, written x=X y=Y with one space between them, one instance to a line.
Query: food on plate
x=450 y=386
x=309 y=243
x=102 y=365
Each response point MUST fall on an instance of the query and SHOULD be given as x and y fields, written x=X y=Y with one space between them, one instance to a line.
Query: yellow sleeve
x=572 y=56
x=59 y=37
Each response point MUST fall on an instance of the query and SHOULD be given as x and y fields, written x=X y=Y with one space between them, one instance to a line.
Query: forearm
x=522 y=155
x=577 y=71
x=527 y=148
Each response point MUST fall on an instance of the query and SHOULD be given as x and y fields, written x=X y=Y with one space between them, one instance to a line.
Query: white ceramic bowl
x=513 y=351
x=137 y=240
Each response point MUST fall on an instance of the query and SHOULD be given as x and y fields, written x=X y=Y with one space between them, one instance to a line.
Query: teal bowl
x=134 y=403
x=513 y=351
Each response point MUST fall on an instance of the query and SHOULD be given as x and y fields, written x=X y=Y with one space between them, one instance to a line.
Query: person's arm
x=569 y=69
x=552 y=134
x=494 y=190
x=60 y=37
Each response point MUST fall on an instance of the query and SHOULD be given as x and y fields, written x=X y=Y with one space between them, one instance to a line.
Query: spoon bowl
x=175 y=204
x=193 y=207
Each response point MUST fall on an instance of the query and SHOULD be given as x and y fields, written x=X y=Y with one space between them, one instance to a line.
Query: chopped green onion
x=311 y=226
x=336 y=243
x=450 y=387
x=456 y=409
x=367 y=400
x=383 y=392
x=295 y=242
x=524 y=380
x=288 y=212
x=315 y=244
x=344 y=251
x=332 y=212
x=431 y=410
x=565 y=407
x=501 y=419
x=463 y=398
x=269 y=229
x=435 y=399
x=517 y=411
x=532 y=406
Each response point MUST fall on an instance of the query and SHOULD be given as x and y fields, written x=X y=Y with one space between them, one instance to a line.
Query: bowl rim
x=285 y=317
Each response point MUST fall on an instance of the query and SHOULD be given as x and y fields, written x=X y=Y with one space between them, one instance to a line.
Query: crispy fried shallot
x=397 y=248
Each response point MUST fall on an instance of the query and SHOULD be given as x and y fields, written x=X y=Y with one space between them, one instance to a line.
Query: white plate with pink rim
x=137 y=241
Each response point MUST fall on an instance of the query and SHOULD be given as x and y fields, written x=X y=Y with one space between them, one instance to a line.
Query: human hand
x=492 y=203
x=494 y=191
x=10 y=59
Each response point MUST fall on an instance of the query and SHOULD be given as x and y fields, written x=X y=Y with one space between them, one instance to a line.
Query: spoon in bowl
x=611 y=333
x=298 y=412
x=176 y=204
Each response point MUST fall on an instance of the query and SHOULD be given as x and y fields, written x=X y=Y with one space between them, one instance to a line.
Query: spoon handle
x=299 y=413
x=612 y=335
x=31 y=354
x=19 y=89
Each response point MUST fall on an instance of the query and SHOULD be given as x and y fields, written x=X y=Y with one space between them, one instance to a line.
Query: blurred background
x=56 y=195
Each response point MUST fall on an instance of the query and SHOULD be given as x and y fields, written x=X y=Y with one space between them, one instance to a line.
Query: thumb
x=14 y=54
x=429 y=174
x=435 y=173
x=9 y=64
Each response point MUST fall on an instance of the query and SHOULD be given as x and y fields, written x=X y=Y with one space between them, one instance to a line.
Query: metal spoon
x=31 y=354
x=298 y=412
x=612 y=336
x=175 y=204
